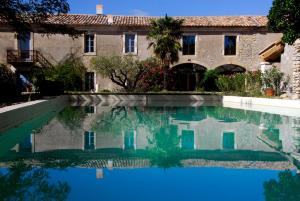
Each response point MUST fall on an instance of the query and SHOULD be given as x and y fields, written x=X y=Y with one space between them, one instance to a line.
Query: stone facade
x=296 y=69
x=109 y=41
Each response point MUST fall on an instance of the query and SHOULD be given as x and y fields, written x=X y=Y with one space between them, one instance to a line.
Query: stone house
x=227 y=43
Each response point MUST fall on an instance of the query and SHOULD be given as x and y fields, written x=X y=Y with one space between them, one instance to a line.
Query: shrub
x=249 y=83
x=9 y=88
x=51 y=88
x=231 y=83
x=238 y=82
x=209 y=82
x=224 y=83
x=152 y=80
x=70 y=72
x=272 y=78
x=254 y=83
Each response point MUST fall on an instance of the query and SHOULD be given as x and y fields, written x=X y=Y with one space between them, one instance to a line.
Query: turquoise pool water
x=152 y=153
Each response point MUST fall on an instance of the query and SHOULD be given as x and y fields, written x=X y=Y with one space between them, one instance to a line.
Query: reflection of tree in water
x=72 y=117
x=287 y=188
x=164 y=151
x=22 y=182
x=123 y=118
x=163 y=140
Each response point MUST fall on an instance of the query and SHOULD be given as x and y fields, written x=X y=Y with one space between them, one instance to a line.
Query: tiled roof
x=196 y=21
x=79 y=19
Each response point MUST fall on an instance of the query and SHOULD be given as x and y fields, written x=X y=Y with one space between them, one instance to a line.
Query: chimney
x=110 y=19
x=99 y=9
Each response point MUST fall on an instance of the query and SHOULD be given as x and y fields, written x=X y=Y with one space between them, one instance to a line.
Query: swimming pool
x=120 y=152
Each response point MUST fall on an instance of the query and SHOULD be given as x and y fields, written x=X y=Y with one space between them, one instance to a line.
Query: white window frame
x=95 y=45
x=222 y=136
x=188 y=129
x=196 y=42
x=83 y=139
x=135 y=43
x=134 y=139
x=31 y=43
x=95 y=80
x=237 y=44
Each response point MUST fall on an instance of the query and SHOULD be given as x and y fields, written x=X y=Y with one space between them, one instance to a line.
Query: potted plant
x=269 y=91
x=271 y=80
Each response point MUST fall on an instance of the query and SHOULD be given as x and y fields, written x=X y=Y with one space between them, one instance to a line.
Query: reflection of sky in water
x=174 y=184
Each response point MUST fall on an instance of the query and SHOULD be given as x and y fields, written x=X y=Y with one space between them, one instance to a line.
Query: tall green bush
x=209 y=81
x=231 y=83
x=224 y=83
x=70 y=72
x=9 y=88
x=254 y=83
x=249 y=83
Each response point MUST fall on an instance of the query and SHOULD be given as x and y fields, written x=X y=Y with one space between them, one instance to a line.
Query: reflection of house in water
x=198 y=133
x=204 y=136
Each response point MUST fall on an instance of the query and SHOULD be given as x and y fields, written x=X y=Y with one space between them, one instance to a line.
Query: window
x=89 y=81
x=89 y=109
x=130 y=40
x=89 y=41
x=188 y=45
x=24 y=45
x=26 y=144
x=129 y=139
x=89 y=142
x=228 y=140
x=230 y=45
x=187 y=140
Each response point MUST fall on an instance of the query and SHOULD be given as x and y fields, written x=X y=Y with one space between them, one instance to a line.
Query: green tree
x=9 y=88
x=287 y=188
x=164 y=38
x=124 y=71
x=70 y=71
x=22 y=182
x=72 y=117
x=23 y=16
x=284 y=16
x=165 y=151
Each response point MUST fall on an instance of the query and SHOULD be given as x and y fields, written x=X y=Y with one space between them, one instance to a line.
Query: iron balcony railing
x=28 y=56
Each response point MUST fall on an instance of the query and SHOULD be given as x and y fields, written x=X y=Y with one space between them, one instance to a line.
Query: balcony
x=27 y=58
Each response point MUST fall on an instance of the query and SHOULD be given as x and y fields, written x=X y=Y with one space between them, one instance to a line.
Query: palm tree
x=164 y=37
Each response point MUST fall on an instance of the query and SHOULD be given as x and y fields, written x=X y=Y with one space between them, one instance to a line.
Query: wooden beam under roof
x=272 y=52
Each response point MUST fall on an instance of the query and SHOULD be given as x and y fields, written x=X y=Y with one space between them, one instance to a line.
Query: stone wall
x=296 y=69
x=7 y=42
x=109 y=41
x=287 y=60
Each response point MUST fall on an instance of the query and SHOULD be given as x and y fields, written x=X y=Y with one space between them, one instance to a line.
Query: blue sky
x=173 y=7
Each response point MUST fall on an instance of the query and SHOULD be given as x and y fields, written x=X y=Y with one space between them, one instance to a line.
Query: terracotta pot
x=269 y=92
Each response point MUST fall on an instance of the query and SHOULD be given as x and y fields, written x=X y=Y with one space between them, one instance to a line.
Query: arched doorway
x=230 y=69
x=185 y=77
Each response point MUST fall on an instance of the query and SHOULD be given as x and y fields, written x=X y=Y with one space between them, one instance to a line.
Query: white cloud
x=137 y=12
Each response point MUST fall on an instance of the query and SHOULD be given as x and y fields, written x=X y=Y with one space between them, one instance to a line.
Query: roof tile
x=190 y=21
